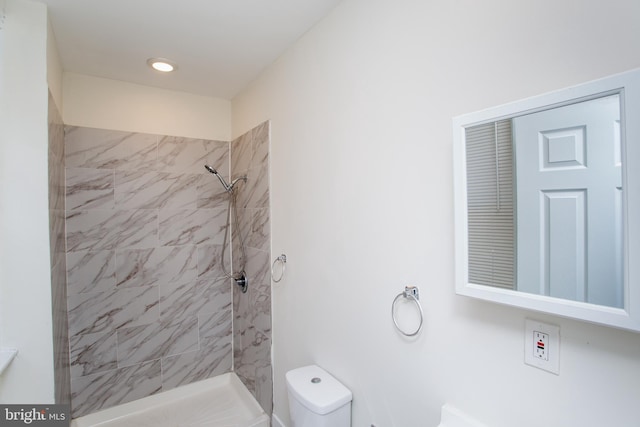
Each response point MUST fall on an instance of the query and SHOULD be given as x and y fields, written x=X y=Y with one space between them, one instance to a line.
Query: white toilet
x=316 y=399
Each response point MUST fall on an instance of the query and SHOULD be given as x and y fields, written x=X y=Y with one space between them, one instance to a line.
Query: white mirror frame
x=628 y=86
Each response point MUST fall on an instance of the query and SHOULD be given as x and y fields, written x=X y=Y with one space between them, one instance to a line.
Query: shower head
x=228 y=188
x=210 y=169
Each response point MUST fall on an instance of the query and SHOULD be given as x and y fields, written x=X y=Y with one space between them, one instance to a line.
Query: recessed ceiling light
x=162 y=64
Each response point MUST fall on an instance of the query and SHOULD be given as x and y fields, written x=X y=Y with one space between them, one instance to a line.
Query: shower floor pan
x=222 y=401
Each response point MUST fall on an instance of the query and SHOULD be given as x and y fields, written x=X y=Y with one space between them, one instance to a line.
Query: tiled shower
x=149 y=308
x=58 y=259
x=252 y=311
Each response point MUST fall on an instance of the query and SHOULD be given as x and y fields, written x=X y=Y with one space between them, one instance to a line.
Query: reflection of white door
x=569 y=202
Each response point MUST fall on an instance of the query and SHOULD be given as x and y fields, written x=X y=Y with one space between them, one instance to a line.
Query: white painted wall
x=25 y=282
x=110 y=104
x=362 y=205
x=54 y=67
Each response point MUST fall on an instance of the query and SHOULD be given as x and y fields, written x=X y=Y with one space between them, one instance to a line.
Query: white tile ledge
x=6 y=356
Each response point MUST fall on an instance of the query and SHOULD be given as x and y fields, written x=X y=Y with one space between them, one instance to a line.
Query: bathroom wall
x=252 y=310
x=362 y=204
x=58 y=256
x=54 y=68
x=25 y=262
x=109 y=104
x=149 y=307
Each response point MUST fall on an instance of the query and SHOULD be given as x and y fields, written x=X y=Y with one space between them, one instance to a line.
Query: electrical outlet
x=542 y=346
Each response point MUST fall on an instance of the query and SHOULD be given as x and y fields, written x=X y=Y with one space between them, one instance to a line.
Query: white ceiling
x=220 y=46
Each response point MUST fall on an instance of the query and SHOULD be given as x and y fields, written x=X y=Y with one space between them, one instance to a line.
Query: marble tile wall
x=149 y=308
x=58 y=260
x=252 y=310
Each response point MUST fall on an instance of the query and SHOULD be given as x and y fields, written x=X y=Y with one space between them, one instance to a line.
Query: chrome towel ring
x=413 y=293
x=282 y=259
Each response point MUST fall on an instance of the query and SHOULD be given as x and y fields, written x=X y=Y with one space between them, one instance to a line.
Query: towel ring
x=282 y=259
x=413 y=293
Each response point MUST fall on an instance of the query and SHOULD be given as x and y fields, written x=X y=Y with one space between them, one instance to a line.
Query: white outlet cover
x=552 y=364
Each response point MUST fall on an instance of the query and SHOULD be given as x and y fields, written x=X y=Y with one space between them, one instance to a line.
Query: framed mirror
x=547 y=202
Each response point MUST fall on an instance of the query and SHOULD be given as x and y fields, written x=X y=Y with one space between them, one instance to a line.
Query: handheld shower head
x=228 y=188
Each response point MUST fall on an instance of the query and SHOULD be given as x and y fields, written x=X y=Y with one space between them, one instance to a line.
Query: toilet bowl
x=316 y=399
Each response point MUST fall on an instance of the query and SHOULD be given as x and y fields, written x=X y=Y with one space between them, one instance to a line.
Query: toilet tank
x=316 y=399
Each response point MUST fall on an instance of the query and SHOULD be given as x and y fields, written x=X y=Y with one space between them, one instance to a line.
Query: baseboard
x=275 y=421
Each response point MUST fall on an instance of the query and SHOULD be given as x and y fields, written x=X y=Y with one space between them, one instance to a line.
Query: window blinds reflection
x=490 y=202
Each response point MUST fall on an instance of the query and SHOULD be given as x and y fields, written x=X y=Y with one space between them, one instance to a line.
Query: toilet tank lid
x=321 y=397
